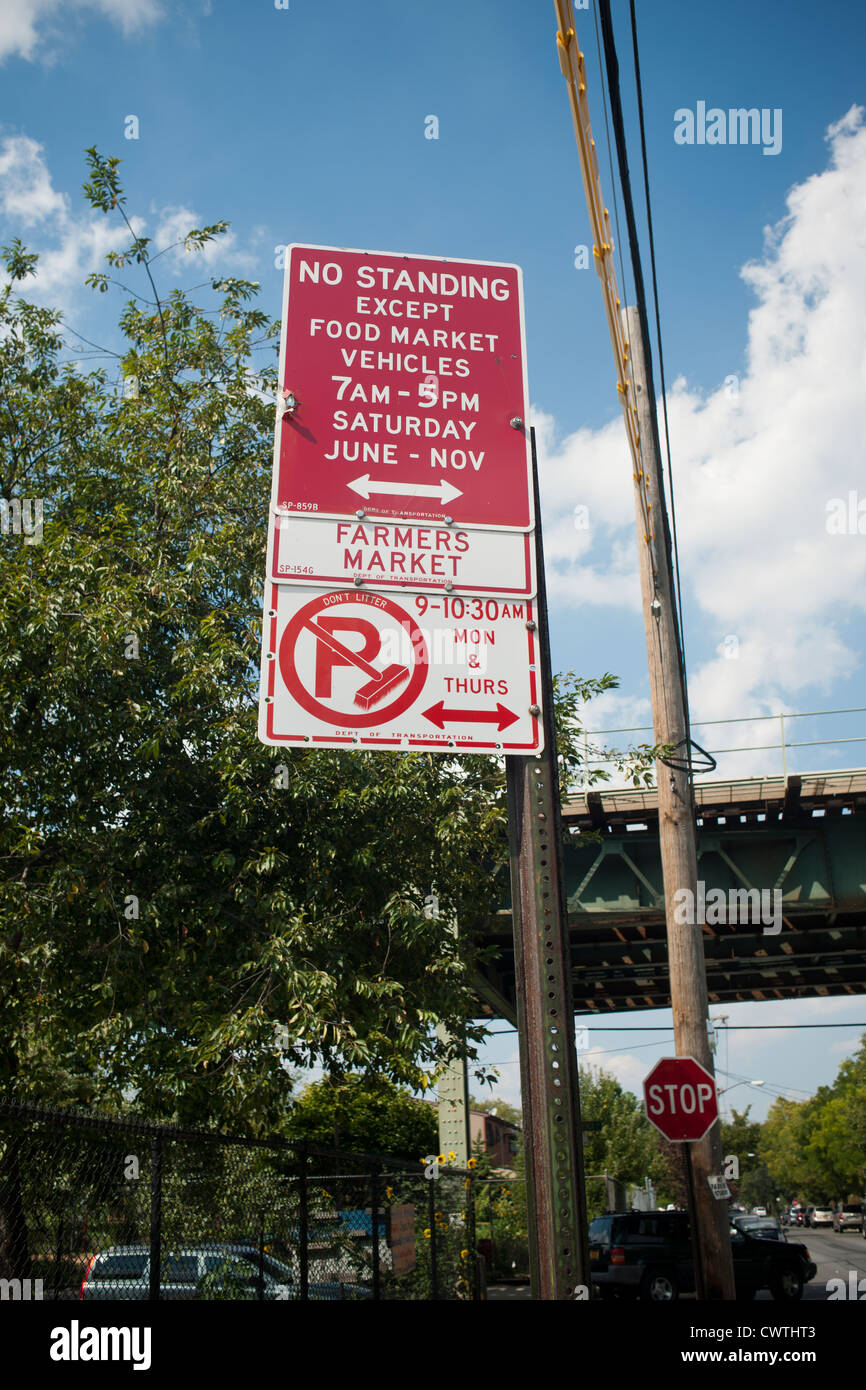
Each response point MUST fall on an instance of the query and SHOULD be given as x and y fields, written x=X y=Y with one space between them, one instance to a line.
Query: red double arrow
x=439 y=715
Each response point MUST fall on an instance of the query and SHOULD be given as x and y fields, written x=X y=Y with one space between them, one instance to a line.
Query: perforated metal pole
x=558 y=1249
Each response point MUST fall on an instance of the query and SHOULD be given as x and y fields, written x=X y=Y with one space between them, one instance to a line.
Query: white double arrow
x=443 y=490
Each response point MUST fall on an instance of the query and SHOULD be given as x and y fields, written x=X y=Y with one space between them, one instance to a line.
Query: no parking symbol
x=336 y=659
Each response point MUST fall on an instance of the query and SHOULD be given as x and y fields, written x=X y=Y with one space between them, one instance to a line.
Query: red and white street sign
x=354 y=668
x=404 y=389
x=330 y=551
x=680 y=1097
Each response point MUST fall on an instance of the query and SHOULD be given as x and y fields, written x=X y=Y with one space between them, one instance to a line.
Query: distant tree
x=502 y=1108
x=740 y=1138
x=625 y=1147
x=368 y=1114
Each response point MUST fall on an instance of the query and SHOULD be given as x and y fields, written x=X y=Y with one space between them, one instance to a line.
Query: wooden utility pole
x=677 y=831
x=713 y=1264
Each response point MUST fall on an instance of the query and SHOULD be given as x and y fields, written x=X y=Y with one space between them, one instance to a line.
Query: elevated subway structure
x=802 y=836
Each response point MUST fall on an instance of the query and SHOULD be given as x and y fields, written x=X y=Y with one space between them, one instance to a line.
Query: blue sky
x=308 y=124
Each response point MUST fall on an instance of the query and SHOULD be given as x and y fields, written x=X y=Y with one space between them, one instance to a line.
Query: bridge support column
x=454 y=1111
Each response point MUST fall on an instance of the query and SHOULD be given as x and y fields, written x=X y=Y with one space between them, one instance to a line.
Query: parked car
x=201 y=1272
x=848 y=1216
x=820 y=1216
x=759 y=1211
x=649 y=1255
x=764 y=1226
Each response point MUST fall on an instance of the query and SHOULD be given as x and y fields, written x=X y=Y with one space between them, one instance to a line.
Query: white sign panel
x=354 y=668
x=328 y=552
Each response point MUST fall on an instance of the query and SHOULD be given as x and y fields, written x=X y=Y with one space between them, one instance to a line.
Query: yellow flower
x=440 y=1158
x=389 y=1193
x=472 y=1163
x=464 y=1254
x=427 y=1234
x=453 y=1157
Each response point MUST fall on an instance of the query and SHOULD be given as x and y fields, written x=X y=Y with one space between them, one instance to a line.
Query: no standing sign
x=408 y=372
x=400 y=606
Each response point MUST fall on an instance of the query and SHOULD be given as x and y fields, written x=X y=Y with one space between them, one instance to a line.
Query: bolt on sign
x=400 y=591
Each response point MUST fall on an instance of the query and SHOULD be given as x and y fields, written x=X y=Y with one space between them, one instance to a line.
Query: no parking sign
x=355 y=668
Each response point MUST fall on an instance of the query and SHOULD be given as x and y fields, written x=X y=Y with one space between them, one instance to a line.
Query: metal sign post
x=558 y=1249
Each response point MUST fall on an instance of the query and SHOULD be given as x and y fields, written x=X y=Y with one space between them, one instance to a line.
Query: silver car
x=848 y=1216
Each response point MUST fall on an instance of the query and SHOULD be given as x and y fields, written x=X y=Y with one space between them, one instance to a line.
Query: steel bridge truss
x=798 y=840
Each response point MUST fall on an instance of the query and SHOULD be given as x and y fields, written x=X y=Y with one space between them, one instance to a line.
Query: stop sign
x=680 y=1098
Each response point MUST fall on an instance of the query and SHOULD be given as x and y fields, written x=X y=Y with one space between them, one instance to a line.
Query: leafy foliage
x=502 y=1108
x=187 y=915
x=815 y=1149
x=367 y=1115
x=625 y=1147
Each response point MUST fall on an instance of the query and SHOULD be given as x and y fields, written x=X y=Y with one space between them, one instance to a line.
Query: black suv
x=648 y=1254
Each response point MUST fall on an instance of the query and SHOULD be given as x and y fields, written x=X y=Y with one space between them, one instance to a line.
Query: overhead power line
x=717 y=1027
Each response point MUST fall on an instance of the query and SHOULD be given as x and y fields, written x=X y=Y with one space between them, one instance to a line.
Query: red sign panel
x=680 y=1098
x=403 y=389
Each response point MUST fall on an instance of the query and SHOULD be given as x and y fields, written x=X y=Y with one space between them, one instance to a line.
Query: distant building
x=499 y=1137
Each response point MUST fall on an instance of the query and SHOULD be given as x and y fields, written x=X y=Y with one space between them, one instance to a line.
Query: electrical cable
x=719 y=1027
x=676 y=558
x=612 y=67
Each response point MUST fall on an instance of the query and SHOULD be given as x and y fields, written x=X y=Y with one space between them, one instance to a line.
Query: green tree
x=503 y=1109
x=740 y=1138
x=186 y=915
x=367 y=1114
x=625 y=1147
x=782 y=1147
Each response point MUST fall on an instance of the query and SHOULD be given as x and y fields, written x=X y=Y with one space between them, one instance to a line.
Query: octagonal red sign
x=680 y=1097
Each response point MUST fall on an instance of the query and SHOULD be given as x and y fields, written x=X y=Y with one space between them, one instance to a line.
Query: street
x=836 y=1256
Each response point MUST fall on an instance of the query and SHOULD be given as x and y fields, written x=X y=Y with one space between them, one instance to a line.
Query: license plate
x=593 y=1254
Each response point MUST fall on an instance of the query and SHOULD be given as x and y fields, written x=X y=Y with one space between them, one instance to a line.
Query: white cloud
x=755 y=469
x=629 y=1070
x=173 y=227
x=32 y=29
x=74 y=245
x=26 y=193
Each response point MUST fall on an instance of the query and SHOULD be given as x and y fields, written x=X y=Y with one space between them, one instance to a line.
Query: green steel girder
x=616 y=920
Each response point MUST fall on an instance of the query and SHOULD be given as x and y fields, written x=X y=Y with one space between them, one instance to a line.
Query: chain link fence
x=93 y=1208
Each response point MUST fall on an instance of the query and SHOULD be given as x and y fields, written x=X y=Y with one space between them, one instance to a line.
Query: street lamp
x=740 y=1083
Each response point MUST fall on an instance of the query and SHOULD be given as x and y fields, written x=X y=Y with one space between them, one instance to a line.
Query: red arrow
x=501 y=717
